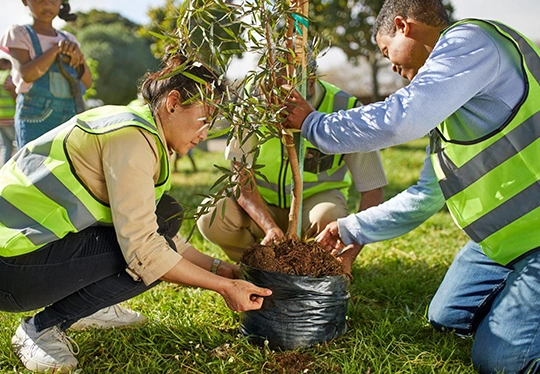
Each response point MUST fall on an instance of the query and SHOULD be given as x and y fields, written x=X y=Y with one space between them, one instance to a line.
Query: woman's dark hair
x=65 y=12
x=429 y=12
x=187 y=77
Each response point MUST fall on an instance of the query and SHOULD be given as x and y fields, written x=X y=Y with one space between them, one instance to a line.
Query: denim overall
x=49 y=102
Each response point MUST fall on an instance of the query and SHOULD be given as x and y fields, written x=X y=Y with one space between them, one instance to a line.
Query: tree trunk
x=374 y=64
x=299 y=7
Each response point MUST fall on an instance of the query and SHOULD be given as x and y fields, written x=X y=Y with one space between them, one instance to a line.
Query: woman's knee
x=169 y=214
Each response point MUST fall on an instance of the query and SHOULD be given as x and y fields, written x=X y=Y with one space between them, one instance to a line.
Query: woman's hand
x=238 y=294
x=241 y=296
x=228 y=270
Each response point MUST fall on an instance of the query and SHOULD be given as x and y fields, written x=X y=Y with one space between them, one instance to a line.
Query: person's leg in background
x=321 y=209
x=175 y=158
x=7 y=136
x=232 y=230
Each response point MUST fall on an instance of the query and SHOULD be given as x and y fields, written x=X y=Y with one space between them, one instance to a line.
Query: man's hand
x=348 y=255
x=297 y=108
x=330 y=239
x=272 y=235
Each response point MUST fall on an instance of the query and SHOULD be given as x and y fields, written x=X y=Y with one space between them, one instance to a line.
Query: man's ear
x=402 y=25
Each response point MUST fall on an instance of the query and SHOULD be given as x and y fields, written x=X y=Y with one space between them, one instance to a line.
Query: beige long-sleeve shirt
x=120 y=168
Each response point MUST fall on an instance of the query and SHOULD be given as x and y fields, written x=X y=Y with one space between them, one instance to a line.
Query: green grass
x=192 y=331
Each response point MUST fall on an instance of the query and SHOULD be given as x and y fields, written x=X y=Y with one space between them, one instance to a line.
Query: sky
x=521 y=14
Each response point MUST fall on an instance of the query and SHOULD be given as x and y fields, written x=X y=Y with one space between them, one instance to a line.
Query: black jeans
x=77 y=275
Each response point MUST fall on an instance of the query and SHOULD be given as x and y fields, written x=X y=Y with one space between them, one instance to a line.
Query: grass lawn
x=192 y=331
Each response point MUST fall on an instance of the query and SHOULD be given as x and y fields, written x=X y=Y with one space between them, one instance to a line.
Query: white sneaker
x=44 y=350
x=113 y=316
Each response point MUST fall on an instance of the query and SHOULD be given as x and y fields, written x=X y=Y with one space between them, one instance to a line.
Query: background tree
x=222 y=28
x=101 y=17
x=347 y=24
x=120 y=55
x=162 y=21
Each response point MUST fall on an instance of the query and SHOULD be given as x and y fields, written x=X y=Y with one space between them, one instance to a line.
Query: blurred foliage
x=117 y=54
x=100 y=17
x=165 y=21
x=347 y=24
x=91 y=92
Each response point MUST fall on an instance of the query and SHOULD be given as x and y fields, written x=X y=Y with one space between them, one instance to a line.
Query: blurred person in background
x=49 y=70
x=7 y=111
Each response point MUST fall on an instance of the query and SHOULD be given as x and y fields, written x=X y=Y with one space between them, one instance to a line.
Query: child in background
x=45 y=98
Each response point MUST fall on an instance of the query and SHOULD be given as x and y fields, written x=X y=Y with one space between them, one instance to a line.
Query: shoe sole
x=102 y=326
x=37 y=366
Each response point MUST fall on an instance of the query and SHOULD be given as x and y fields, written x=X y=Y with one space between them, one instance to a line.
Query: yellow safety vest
x=492 y=184
x=321 y=172
x=7 y=103
x=42 y=199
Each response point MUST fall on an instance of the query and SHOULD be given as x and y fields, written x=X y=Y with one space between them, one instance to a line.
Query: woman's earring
x=172 y=110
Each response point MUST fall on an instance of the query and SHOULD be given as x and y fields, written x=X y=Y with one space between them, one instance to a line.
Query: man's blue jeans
x=77 y=275
x=500 y=306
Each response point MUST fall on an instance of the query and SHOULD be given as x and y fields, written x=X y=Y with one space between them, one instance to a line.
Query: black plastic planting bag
x=302 y=311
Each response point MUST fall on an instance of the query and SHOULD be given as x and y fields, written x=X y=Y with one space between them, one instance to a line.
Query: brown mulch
x=291 y=363
x=294 y=362
x=293 y=257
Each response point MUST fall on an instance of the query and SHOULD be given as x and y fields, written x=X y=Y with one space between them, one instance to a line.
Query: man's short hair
x=429 y=12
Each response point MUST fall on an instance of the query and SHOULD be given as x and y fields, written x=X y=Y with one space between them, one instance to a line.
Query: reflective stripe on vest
x=276 y=189
x=491 y=185
x=42 y=199
x=7 y=103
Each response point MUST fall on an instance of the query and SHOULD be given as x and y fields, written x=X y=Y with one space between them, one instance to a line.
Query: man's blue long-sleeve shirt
x=471 y=72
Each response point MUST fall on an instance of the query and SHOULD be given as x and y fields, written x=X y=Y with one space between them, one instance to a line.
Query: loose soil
x=294 y=362
x=293 y=257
